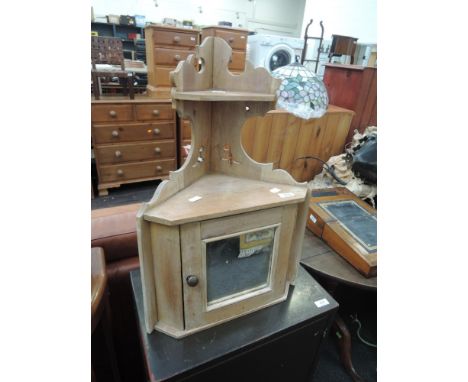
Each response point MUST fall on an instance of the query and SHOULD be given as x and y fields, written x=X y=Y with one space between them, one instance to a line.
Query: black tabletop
x=167 y=357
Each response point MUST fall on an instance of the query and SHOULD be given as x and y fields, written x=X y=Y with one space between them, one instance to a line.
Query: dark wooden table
x=320 y=259
x=278 y=343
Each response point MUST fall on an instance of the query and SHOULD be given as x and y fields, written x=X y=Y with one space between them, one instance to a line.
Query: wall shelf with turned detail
x=222 y=237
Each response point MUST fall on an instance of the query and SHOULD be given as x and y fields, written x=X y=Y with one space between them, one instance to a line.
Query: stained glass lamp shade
x=301 y=93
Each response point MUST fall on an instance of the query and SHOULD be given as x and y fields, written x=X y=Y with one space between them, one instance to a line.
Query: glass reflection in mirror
x=239 y=264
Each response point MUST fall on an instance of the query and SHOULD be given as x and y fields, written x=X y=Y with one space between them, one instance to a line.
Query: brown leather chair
x=114 y=230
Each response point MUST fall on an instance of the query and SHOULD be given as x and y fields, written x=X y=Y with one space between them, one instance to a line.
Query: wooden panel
x=290 y=142
x=111 y=113
x=262 y=137
x=154 y=112
x=170 y=57
x=175 y=38
x=186 y=129
x=342 y=85
x=248 y=135
x=113 y=154
x=237 y=61
x=162 y=76
x=127 y=171
x=277 y=134
x=315 y=147
x=303 y=143
x=133 y=132
x=285 y=138
x=237 y=223
x=167 y=275
x=353 y=87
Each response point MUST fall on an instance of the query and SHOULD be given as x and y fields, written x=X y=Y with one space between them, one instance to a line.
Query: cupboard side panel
x=167 y=274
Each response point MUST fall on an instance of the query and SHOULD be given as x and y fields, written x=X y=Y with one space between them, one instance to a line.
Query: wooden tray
x=346 y=224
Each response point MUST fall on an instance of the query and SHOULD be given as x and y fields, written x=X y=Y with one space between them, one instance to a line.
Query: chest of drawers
x=165 y=47
x=237 y=40
x=134 y=140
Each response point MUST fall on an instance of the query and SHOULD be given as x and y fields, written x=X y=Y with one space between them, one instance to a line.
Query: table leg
x=344 y=343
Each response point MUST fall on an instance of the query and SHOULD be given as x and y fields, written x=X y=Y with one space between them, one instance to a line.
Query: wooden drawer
x=175 y=38
x=163 y=56
x=236 y=40
x=154 y=112
x=163 y=76
x=133 y=132
x=123 y=172
x=237 y=61
x=111 y=113
x=130 y=152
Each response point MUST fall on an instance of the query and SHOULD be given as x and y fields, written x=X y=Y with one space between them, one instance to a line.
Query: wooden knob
x=231 y=39
x=115 y=133
x=157 y=150
x=192 y=280
x=176 y=38
x=156 y=131
x=158 y=168
x=113 y=113
x=177 y=57
x=118 y=154
x=155 y=112
x=119 y=172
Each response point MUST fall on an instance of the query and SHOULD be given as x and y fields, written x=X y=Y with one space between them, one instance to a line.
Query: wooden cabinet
x=223 y=236
x=134 y=140
x=237 y=40
x=165 y=47
x=353 y=87
x=280 y=138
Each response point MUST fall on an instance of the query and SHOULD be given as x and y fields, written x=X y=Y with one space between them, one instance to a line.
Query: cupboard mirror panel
x=239 y=264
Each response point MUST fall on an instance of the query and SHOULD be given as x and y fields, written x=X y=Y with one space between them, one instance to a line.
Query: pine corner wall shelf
x=222 y=237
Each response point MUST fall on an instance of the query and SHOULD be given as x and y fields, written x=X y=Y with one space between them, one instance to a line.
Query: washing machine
x=272 y=52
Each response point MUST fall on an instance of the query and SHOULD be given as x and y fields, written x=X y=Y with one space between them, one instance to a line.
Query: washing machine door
x=279 y=55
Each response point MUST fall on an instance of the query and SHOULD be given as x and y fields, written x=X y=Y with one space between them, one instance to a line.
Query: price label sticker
x=194 y=198
x=285 y=194
x=313 y=219
x=321 y=302
x=275 y=190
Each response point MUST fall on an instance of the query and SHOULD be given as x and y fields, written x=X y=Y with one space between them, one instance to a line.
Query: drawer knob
x=158 y=168
x=115 y=133
x=157 y=150
x=155 y=112
x=231 y=39
x=177 y=57
x=119 y=172
x=112 y=113
x=118 y=154
x=156 y=131
x=176 y=38
x=192 y=280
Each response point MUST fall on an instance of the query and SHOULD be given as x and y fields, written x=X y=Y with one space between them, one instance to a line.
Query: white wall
x=265 y=16
x=355 y=18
